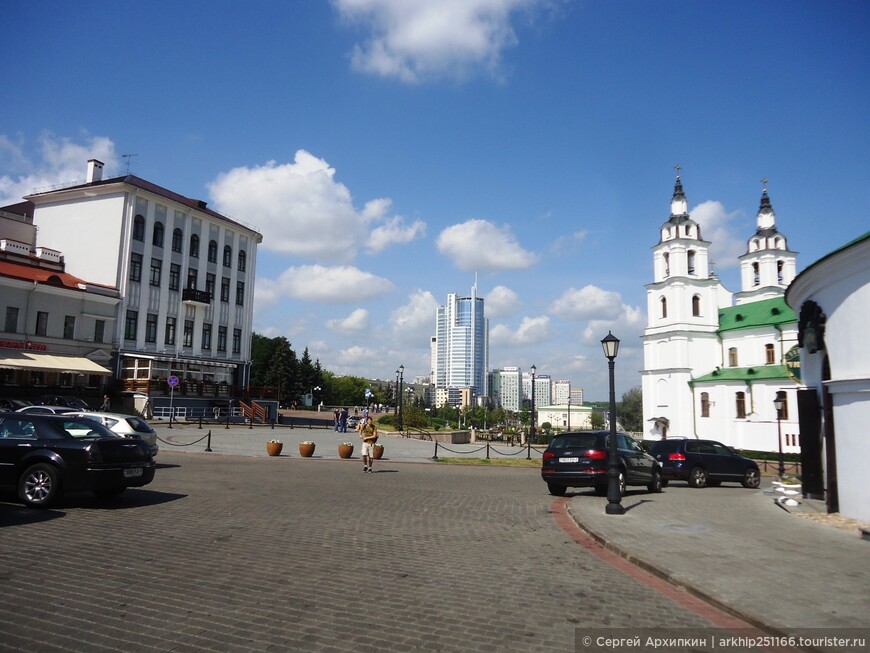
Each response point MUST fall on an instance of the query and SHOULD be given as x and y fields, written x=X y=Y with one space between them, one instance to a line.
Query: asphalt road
x=230 y=553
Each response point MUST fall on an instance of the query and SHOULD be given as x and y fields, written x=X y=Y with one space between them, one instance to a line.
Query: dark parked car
x=64 y=400
x=46 y=410
x=42 y=456
x=704 y=462
x=7 y=403
x=581 y=459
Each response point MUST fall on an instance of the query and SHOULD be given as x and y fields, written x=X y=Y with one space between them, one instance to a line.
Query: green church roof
x=745 y=374
x=766 y=312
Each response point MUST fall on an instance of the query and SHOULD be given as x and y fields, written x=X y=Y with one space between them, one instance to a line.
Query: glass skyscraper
x=461 y=344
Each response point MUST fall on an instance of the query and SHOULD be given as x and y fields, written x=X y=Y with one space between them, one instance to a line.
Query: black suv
x=704 y=462
x=580 y=459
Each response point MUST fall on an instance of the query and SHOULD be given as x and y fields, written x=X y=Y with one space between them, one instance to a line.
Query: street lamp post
x=399 y=424
x=396 y=407
x=610 y=343
x=532 y=423
x=316 y=388
x=569 y=410
x=779 y=403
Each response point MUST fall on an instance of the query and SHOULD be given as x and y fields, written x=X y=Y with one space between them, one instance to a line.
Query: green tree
x=597 y=419
x=279 y=368
x=630 y=411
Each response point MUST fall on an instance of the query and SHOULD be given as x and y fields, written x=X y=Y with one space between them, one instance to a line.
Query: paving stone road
x=230 y=553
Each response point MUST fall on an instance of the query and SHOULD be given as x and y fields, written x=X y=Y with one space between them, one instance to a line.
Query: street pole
x=532 y=423
x=614 y=493
x=778 y=404
x=399 y=423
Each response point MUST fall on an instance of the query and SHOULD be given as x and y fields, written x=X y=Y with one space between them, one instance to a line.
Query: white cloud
x=394 y=231
x=61 y=161
x=716 y=226
x=588 y=303
x=419 y=40
x=570 y=243
x=301 y=209
x=482 y=246
x=354 y=323
x=501 y=302
x=532 y=330
x=357 y=355
x=414 y=323
x=330 y=285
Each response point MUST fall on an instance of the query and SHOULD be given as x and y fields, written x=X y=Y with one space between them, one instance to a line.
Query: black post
x=229 y=410
x=779 y=439
x=436 y=450
x=208 y=442
x=251 y=420
x=614 y=495
x=487 y=450
x=200 y=419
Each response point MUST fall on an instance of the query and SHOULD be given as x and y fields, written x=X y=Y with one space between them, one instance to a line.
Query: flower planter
x=345 y=450
x=377 y=451
x=274 y=448
x=306 y=449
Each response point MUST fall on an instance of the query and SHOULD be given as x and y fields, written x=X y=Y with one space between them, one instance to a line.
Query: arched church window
x=779 y=271
x=732 y=357
x=705 y=404
x=756 y=278
x=664 y=307
x=691 y=261
x=770 y=354
x=667 y=258
x=740 y=404
x=696 y=306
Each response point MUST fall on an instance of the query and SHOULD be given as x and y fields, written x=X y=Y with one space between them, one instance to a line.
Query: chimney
x=95 y=170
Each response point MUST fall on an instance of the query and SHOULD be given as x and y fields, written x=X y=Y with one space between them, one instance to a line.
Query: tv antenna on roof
x=128 y=157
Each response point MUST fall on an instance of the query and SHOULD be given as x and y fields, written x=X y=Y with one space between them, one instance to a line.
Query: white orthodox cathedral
x=715 y=361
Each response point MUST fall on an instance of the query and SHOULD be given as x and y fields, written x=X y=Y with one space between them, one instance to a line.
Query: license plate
x=130 y=473
x=569 y=460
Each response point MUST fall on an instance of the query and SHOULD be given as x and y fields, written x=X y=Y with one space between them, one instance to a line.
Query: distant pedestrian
x=343 y=420
x=106 y=406
x=336 y=418
x=369 y=435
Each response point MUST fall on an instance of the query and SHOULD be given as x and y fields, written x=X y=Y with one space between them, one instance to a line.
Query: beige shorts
x=368 y=449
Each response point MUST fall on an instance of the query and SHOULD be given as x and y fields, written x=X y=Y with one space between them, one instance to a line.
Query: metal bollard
x=200 y=421
x=208 y=442
x=273 y=423
x=228 y=418
x=435 y=457
x=251 y=422
x=487 y=450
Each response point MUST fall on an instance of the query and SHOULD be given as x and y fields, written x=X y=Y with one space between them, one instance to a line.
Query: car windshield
x=85 y=428
x=575 y=441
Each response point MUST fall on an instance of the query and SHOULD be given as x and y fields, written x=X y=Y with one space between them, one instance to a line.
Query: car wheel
x=698 y=477
x=621 y=483
x=751 y=478
x=656 y=485
x=39 y=486
x=556 y=490
x=109 y=492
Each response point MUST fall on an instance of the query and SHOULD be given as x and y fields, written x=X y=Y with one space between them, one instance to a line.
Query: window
x=705 y=404
x=206 y=337
x=191 y=278
x=139 y=228
x=156 y=269
x=664 y=307
x=209 y=285
x=779 y=271
x=667 y=264
x=11 y=319
x=42 y=323
x=740 y=400
x=222 y=338
x=225 y=289
x=188 y=333
x=157 y=236
x=99 y=330
x=691 y=260
x=228 y=256
x=240 y=293
x=770 y=354
x=130 y=324
x=732 y=357
x=135 y=267
x=243 y=261
x=174 y=276
x=194 y=246
x=169 y=338
x=696 y=306
x=151 y=327
x=783 y=413
x=176 y=240
x=212 y=251
x=69 y=327
x=237 y=341
x=756 y=278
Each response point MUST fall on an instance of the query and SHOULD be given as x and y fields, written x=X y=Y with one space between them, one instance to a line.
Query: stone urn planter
x=306 y=449
x=377 y=451
x=273 y=447
x=345 y=450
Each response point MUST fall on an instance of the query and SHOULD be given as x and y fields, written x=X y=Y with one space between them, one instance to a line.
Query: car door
x=638 y=465
x=728 y=466
x=17 y=438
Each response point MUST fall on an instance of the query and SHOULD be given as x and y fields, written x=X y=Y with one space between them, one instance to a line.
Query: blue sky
x=391 y=150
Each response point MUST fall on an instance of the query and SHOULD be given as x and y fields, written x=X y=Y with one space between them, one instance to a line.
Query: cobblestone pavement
x=229 y=553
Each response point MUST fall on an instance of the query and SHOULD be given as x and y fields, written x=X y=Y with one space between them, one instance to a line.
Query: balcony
x=194 y=296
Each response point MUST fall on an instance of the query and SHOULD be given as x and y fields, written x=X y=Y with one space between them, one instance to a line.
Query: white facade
x=832 y=298
x=507 y=388
x=712 y=368
x=564 y=417
x=561 y=392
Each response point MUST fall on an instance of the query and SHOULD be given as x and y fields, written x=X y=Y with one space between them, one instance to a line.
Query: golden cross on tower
x=764 y=183
x=678 y=167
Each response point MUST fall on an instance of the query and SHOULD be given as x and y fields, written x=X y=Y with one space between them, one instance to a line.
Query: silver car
x=129 y=426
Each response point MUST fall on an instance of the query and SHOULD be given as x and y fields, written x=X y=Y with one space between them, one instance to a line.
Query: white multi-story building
x=185 y=274
x=507 y=388
x=561 y=392
x=713 y=367
x=461 y=345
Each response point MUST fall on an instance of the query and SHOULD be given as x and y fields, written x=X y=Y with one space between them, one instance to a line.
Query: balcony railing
x=194 y=296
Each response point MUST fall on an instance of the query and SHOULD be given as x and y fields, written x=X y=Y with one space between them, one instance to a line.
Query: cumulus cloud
x=301 y=209
x=588 y=303
x=717 y=226
x=414 y=322
x=532 y=330
x=481 y=245
x=421 y=40
x=61 y=160
x=501 y=301
x=353 y=323
x=570 y=243
x=329 y=285
x=393 y=232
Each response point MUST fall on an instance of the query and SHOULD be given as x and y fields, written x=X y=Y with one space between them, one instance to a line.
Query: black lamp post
x=610 y=343
x=401 y=377
x=396 y=407
x=779 y=403
x=532 y=422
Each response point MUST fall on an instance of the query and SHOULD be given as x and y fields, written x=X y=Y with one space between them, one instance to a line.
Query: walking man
x=369 y=434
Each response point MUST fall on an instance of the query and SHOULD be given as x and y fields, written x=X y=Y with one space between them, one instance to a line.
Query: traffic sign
x=172 y=381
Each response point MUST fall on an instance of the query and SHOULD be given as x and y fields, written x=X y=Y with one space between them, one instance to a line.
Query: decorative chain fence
x=527 y=449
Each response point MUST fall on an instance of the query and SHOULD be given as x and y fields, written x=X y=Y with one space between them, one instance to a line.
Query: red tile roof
x=40 y=275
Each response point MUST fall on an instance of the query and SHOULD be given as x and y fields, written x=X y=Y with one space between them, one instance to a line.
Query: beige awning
x=29 y=360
